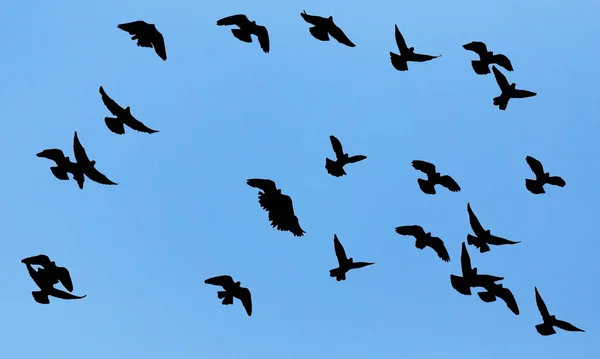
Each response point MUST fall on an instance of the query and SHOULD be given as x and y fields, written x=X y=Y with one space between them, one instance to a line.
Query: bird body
x=345 y=264
x=407 y=54
x=470 y=277
x=124 y=117
x=483 y=237
x=324 y=27
x=536 y=186
x=87 y=166
x=486 y=58
x=64 y=165
x=46 y=277
x=147 y=36
x=433 y=178
x=232 y=290
x=424 y=239
x=336 y=168
x=508 y=90
x=496 y=290
x=246 y=29
x=549 y=321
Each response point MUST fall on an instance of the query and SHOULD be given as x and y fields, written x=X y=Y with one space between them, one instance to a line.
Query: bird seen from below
x=87 y=166
x=232 y=290
x=486 y=58
x=400 y=62
x=425 y=240
x=433 y=178
x=497 y=290
x=147 y=36
x=508 y=90
x=46 y=277
x=124 y=117
x=336 y=168
x=550 y=321
x=64 y=166
x=470 y=278
x=246 y=29
x=325 y=27
x=345 y=264
x=536 y=186
x=278 y=205
x=483 y=238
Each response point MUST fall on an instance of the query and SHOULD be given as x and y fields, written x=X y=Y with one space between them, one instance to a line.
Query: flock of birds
x=280 y=206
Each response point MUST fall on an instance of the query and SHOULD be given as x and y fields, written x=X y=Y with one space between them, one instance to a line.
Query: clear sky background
x=226 y=112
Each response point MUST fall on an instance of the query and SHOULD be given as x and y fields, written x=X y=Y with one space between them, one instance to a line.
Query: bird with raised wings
x=483 y=238
x=336 y=168
x=508 y=90
x=486 y=58
x=87 y=166
x=64 y=166
x=46 y=277
x=279 y=206
x=232 y=290
x=246 y=29
x=400 y=62
x=497 y=290
x=470 y=278
x=425 y=240
x=536 y=186
x=550 y=321
x=147 y=36
x=124 y=117
x=433 y=178
x=325 y=27
x=345 y=264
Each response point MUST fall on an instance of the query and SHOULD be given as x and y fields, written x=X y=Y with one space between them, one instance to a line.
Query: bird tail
x=426 y=186
x=534 y=186
x=487 y=297
x=115 y=125
x=227 y=299
x=40 y=297
x=460 y=284
x=338 y=274
x=241 y=35
x=334 y=168
x=319 y=34
x=398 y=62
x=480 y=67
x=59 y=173
x=478 y=243
x=545 y=329
x=501 y=102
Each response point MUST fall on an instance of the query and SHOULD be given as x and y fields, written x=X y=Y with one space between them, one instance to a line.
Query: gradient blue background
x=227 y=112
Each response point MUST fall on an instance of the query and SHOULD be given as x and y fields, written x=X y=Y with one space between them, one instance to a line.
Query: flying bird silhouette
x=406 y=54
x=147 y=36
x=87 y=166
x=247 y=28
x=496 y=290
x=508 y=90
x=232 y=290
x=345 y=264
x=550 y=321
x=46 y=277
x=433 y=178
x=425 y=240
x=483 y=238
x=470 y=278
x=124 y=117
x=64 y=166
x=323 y=27
x=279 y=206
x=536 y=186
x=486 y=58
x=336 y=168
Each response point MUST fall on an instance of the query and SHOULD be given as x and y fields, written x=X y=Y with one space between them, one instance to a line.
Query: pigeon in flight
x=345 y=264
x=232 y=290
x=406 y=54
x=470 y=278
x=550 y=321
x=536 y=186
x=147 y=36
x=508 y=90
x=279 y=206
x=124 y=117
x=336 y=168
x=247 y=28
x=64 y=166
x=87 y=166
x=486 y=58
x=46 y=277
x=433 y=178
x=425 y=240
x=483 y=238
x=495 y=290
x=324 y=27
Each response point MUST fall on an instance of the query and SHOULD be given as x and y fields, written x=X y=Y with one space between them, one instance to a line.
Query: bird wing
x=477 y=47
x=62 y=294
x=522 y=94
x=400 y=41
x=221 y=280
x=158 y=42
x=246 y=298
x=133 y=27
x=337 y=147
x=64 y=277
x=40 y=260
x=465 y=260
x=536 y=166
x=422 y=57
x=138 y=125
x=438 y=246
x=506 y=295
x=413 y=230
x=98 y=176
x=503 y=61
x=312 y=19
x=80 y=154
x=567 y=326
x=239 y=20
x=266 y=185
x=53 y=154
x=556 y=181
x=339 y=35
x=498 y=241
x=541 y=305
x=449 y=183
x=357 y=265
x=110 y=104
x=263 y=38
x=356 y=158
x=475 y=224
x=340 y=253
x=424 y=166
x=501 y=79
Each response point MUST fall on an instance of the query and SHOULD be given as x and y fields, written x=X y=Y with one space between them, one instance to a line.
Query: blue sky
x=227 y=112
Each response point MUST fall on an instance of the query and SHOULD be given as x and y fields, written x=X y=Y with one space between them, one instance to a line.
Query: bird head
x=513 y=86
x=279 y=191
x=128 y=109
x=351 y=260
x=93 y=162
x=330 y=18
x=238 y=283
x=489 y=231
x=411 y=49
x=253 y=22
x=474 y=270
x=428 y=234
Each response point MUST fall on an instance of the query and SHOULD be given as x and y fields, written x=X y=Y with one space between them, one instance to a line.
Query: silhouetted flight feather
x=424 y=239
x=88 y=166
x=232 y=290
x=400 y=62
x=483 y=238
x=486 y=58
x=147 y=36
x=124 y=117
x=246 y=29
x=550 y=321
x=345 y=264
x=508 y=91
x=536 y=186
x=336 y=168
x=323 y=27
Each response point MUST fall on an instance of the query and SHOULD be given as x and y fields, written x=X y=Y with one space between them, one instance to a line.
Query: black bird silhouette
x=247 y=28
x=433 y=178
x=323 y=27
x=87 y=166
x=486 y=58
x=279 y=206
x=147 y=36
x=508 y=90
x=550 y=321
x=406 y=54
x=425 y=240
x=45 y=278
x=64 y=166
x=345 y=264
x=470 y=278
x=336 y=168
x=536 y=186
x=124 y=117
x=232 y=290
x=495 y=290
x=483 y=238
